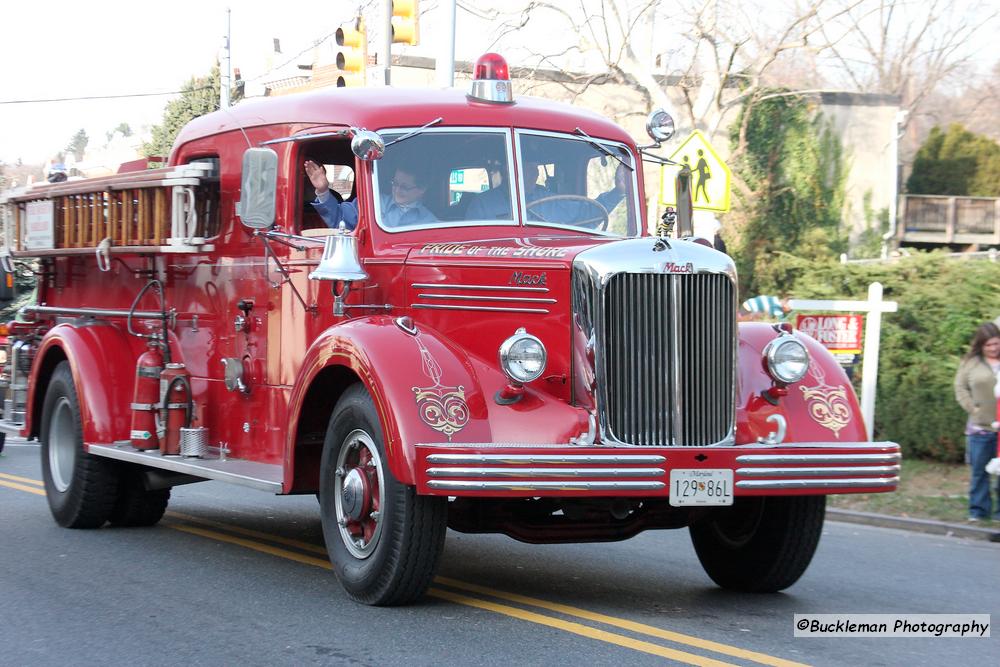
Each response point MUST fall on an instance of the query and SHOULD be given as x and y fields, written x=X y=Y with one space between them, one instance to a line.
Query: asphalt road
x=234 y=576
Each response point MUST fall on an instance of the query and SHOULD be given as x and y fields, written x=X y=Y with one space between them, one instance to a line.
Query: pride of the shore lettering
x=467 y=250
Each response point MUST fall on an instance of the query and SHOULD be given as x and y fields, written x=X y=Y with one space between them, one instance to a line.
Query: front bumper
x=496 y=470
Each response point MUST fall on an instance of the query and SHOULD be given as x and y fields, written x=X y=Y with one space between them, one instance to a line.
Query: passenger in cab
x=550 y=207
x=401 y=208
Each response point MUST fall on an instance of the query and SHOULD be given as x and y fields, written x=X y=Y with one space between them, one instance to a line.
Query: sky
x=61 y=49
x=58 y=49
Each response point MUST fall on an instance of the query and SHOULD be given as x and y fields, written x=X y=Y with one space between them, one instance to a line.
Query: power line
x=102 y=97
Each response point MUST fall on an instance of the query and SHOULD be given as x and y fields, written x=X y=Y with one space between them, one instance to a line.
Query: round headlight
x=522 y=357
x=787 y=359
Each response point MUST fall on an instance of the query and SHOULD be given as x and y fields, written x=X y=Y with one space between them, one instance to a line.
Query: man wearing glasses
x=401 y=208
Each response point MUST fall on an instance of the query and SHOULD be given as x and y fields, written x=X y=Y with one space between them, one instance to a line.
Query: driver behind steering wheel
x=495 y=203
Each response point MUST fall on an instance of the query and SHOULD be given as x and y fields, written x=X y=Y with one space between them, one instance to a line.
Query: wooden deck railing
x=948 y=220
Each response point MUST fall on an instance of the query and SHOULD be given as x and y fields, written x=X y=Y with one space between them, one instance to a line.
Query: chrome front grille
x=667 y=358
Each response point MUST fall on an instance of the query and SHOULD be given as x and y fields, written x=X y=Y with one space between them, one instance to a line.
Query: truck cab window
x=336 y=163
x=567 y=182
x=207 y=199
x=445 y=178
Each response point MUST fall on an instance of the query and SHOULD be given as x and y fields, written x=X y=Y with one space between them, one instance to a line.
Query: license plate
x=701 y=486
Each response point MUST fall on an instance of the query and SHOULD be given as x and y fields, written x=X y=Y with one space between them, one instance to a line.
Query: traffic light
x=405 y=22
x=352 y=54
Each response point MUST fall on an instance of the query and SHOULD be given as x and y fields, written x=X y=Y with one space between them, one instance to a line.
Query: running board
x=261 y=476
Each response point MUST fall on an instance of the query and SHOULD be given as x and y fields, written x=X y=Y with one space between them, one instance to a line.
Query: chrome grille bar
x=669 y=357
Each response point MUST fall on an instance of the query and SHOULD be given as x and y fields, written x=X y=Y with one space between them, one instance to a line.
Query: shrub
x=941 y=302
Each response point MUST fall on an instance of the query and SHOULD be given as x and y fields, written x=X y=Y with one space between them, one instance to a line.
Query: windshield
x=568 y=182
x=442 y=178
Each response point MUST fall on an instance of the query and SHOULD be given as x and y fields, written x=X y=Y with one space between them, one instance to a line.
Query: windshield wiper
x=602 y=148
x=305 y=137
x=414 y=132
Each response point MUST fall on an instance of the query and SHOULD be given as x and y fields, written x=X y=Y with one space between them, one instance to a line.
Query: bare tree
x=716 y=57
x=909 y=48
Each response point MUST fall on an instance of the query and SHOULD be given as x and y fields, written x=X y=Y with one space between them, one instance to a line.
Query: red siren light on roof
x=491 y=66
x=491 y=80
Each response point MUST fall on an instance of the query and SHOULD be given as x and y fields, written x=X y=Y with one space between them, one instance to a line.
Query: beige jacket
x=974 y=384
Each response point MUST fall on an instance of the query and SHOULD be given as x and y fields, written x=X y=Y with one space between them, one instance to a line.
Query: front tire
x=760 y=545
x=81 y=489
x=384 y=540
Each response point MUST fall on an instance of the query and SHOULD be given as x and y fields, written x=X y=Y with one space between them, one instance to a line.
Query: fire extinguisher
x=146 y=398
x=175 y=387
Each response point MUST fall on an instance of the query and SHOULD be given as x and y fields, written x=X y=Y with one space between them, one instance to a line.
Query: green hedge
x=941 y=302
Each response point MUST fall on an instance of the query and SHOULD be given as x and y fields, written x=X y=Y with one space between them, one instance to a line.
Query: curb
x=917 y=525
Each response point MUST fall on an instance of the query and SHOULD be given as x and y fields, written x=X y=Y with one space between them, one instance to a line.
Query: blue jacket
x=391 y=214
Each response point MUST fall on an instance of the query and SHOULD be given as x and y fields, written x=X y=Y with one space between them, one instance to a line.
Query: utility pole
x=446 y=57
x=225 y=75
x=387 y=40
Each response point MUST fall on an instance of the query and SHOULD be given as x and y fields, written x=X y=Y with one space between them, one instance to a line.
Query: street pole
x=225 y=74
x=446 y=58
x=387 y=40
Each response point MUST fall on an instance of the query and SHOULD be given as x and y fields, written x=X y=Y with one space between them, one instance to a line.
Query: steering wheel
x=598 y=222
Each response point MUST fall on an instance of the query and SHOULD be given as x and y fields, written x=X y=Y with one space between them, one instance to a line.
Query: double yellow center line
x=486 y=598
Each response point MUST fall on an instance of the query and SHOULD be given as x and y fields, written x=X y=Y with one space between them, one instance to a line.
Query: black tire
x=3 y=441
x=760 y=545
x=81 y=488
x=135 y=505
x=398 y=552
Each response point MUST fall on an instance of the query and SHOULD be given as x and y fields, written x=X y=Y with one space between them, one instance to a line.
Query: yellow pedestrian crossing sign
x=710 y=177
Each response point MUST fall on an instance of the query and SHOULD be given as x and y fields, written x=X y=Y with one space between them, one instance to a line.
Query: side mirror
x=367 y=145
x=258 y=188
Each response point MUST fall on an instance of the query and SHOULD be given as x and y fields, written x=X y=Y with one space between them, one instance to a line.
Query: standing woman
x=974 y=383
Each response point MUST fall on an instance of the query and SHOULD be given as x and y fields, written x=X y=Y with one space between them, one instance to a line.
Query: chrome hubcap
x=358 y=490
x=353 y=497
x=62 y=445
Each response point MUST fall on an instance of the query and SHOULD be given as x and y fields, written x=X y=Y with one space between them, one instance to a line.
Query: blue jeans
x=980 y=449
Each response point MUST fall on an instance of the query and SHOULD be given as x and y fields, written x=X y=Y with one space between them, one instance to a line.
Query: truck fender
x=822 y=407
x=425 y=389
x=103 y=368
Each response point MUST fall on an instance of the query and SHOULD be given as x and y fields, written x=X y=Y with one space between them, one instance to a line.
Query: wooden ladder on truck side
x=171 y=209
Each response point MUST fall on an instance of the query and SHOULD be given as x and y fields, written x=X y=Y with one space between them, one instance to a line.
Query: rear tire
x=135 y=505
x=81 y=489
x=384 y=540
x=760 y=545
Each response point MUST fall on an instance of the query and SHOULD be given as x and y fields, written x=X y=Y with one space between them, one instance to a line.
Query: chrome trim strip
x=93 y=312
x=818 y=472
x=772 y=459
x=545 y=472
x=482 y=287
x=536 y=459
x=816 y=483
x=461 y=297
x=455 y=485
x=261 y=476
x=491 y=309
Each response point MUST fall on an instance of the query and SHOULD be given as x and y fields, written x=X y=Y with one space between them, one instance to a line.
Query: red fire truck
x=505 y=349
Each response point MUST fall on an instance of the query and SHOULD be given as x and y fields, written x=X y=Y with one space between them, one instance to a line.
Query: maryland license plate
x=701 y=486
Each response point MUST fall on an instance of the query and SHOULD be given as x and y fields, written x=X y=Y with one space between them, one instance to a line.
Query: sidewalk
x=970 y=531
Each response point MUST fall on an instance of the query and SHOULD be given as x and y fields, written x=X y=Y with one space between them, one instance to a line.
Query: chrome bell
x=340 y=258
